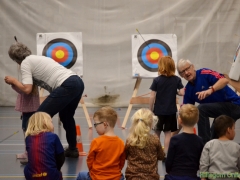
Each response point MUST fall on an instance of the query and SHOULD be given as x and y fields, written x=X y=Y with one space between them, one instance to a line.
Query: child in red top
x=106 y=156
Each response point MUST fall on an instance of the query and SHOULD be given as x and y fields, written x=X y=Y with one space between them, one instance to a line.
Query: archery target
x=237 y=52
x=64 y=48
x=234 y=71
x=149 y=53
x=62 y=51
x=146 y=51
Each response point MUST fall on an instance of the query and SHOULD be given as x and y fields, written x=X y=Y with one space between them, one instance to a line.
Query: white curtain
x=208 y=33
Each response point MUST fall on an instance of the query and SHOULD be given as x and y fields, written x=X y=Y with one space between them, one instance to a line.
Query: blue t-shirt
x=204 y=79
x=166 y=90
x=42 y=149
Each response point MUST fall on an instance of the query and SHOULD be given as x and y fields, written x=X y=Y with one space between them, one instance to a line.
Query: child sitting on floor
x=143 y=149
x=45 y=151
x=220 y=157
x=185 y=149
x=106 y=156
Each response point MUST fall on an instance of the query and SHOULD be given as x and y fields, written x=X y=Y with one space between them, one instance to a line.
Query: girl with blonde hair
x=143 y=149
x=45 y=151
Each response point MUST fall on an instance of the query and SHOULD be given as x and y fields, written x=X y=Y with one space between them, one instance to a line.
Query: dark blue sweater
x=184 y=154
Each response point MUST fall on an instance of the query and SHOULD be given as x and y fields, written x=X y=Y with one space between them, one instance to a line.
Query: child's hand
x=203 y=179
x=9 y=80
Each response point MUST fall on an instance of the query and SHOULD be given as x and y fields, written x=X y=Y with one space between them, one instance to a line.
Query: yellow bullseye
x=154 y=55
x=59 y=54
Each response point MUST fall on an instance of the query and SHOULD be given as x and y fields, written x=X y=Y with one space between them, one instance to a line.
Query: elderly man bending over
x=208 y=88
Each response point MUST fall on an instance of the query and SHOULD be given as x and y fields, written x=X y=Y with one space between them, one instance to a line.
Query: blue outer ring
x=142 y=51
x=72 y=51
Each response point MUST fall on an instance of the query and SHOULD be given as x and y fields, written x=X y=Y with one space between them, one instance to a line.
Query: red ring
x=56 y=58
x=150 y=51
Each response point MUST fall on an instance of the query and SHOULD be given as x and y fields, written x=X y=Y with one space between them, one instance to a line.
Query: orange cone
x=194 y=130
x=79 y=142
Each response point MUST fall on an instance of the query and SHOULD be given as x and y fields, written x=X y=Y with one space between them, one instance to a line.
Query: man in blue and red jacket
x=208 y=88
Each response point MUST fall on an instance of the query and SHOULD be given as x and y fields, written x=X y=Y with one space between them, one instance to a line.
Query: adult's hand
x=202 y=95
x=221 y=83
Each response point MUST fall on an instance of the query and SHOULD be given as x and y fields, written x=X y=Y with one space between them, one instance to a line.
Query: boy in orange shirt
x=106 y=156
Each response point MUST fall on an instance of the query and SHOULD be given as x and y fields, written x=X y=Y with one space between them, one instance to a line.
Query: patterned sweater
x=142 y=164
x=27 y=102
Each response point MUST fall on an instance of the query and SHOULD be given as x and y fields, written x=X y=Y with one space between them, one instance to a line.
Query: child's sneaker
x=71 y=153
x=24 y=161
x=22 y=156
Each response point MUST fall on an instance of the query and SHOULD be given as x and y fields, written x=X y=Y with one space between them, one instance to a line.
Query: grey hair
x=18 y=52
x=182 y=62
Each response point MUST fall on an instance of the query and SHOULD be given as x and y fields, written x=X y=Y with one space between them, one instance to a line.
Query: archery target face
x=62 y=51
x=64 y=48
x=234 y=73
x=237 y=52
x=146 y=51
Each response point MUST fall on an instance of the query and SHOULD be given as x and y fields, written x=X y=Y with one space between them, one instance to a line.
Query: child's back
x=106 y=156
x=42 y=149
x=45 y=151
x=163 y=98
x=143 y=163
x=221 y=157
x=27 y=102
x=185 y=149
x=166 y=88
x=143 y=150
x=183 y=155
x=105 y=159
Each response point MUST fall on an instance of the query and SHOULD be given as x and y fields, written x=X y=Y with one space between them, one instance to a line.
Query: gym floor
x=12 y=142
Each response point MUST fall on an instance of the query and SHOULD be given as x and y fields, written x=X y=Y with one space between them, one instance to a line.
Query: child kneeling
x=185 y=149
x=106 y=156
x=143 y=149
x=221 y=157
x=45 y=151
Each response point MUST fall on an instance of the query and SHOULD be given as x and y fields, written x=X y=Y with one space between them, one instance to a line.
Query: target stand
x=140 y=100
x=135 y=100
x=42 y=98
x=147 y=49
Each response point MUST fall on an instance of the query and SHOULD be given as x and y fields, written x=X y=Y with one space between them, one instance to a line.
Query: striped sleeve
x=212 y=76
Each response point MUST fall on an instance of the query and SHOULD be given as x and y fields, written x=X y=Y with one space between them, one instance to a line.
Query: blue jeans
x=64 y=100
x=84 y=175
x=214 y=110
